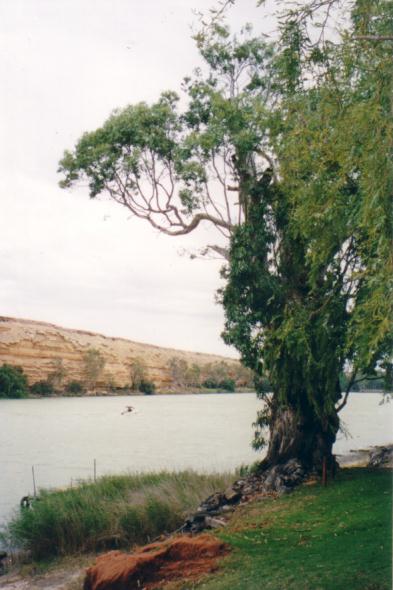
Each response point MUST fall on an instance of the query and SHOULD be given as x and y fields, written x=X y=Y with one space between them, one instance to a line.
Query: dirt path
x=59 y=579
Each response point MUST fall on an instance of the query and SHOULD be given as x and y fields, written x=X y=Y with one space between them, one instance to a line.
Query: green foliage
x=138 y=373
x=13 y=382
x=309 y=285
x=335 y=538
x=42 y=387
x=147 y=387
x=74 y=388
x=217 y=375
x=227 y=385
x=224 y=384
x=210 y=383
x=117 y=511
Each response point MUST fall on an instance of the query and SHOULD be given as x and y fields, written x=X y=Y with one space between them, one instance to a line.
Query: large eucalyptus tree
x=286 y=150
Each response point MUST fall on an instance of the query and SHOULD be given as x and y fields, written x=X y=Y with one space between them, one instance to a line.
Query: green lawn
x=333 y=538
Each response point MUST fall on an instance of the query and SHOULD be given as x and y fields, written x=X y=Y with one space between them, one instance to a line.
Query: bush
x=210 y=384
x=147 y=387
x=224 y=384
x=13 y=382
x=42 y=388
x=74 y=388
x=227 y=385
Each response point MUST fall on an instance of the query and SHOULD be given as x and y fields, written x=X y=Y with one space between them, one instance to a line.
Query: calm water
x=62 y=437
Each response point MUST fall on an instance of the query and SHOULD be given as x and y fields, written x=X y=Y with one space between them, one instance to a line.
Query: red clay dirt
x=153 y=565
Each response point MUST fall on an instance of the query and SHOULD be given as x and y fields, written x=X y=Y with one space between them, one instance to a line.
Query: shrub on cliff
x=147 y=387
x=13 y=382
x=43 y=388
x=74 y=388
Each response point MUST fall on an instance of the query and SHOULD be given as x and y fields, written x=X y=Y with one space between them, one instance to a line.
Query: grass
x=116 y=511
x=334 y=538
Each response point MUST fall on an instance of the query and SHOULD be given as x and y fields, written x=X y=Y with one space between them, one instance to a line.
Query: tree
x=286 y=135
x=138 y=373
x=193 y=375
x=309 y=287
x=13 y=382
x=165 y=166
x=94 y=363
x=178 y=369
x=57 y=374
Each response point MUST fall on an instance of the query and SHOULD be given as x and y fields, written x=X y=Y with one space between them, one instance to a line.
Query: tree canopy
x=286 y=148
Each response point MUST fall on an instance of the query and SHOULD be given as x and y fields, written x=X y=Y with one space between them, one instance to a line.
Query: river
x=62 y=437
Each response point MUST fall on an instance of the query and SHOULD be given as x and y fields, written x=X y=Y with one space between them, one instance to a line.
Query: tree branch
x=347 y=391
x=196 y=220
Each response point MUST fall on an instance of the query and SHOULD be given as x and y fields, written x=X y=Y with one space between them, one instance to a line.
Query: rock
x=247 y=490
x=381 y=457
x=214 y=523
x=226 y=508
x=213 y=502
x=232 y=496
x=154 y=565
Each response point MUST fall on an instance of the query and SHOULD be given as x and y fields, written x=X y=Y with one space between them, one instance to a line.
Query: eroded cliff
x=38 y=346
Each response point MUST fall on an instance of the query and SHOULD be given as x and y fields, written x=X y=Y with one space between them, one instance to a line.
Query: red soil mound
x=152 y=565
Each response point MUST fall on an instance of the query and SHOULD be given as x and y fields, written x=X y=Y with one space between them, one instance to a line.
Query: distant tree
x=57 y=374
x=138 y=373
x=110 y=381
x=178 y=369
x=94 y=363
x=243 y=376
x=227 y=385
x=286 y=149
x=13 y=382
x=193 y=375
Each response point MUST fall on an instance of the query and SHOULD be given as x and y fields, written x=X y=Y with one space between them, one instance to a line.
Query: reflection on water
x=62 y=437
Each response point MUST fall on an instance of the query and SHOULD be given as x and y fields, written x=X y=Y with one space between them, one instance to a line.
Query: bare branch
x=186 y=229
x=347 y=391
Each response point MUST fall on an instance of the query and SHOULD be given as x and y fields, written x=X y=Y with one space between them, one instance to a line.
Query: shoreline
x=68 y=572
x=168 y=392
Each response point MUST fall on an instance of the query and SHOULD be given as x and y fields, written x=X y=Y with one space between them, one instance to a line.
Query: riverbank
x=334 y=537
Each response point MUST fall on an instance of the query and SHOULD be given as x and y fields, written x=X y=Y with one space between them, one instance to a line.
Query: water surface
x=61 y=437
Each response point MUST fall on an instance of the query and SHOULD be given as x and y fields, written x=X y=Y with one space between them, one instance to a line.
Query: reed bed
x=115 y=511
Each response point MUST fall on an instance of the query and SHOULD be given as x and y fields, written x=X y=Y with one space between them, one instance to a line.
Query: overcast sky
x=64 y=66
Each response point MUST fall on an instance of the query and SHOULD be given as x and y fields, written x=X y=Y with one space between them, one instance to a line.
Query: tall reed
x=116 y=511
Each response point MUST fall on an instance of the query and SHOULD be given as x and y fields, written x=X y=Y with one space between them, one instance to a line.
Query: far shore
x=169 y=392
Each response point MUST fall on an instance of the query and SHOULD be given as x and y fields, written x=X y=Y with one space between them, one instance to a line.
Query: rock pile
x=278 y=480
x=381 y=457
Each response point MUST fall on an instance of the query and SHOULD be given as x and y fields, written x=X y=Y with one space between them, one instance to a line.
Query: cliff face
x=38 y=346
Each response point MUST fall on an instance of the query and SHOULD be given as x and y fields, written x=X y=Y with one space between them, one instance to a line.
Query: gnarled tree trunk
x=300 y=443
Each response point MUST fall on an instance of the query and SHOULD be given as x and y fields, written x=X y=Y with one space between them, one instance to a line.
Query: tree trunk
x=300 y=443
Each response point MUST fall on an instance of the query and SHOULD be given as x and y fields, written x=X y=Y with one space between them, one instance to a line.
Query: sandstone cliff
x=37 y=346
